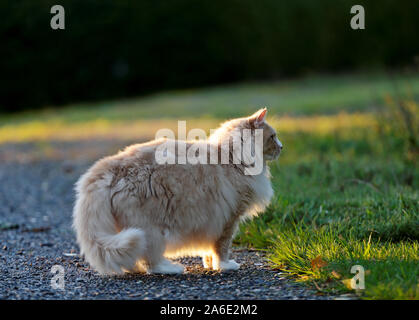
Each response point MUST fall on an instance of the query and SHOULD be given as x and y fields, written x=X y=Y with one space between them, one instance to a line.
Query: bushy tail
x=107 y=250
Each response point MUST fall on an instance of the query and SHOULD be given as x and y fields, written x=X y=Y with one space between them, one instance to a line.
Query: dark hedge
x=121 y=48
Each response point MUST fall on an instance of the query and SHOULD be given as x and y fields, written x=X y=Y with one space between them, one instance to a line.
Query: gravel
x=36 y=200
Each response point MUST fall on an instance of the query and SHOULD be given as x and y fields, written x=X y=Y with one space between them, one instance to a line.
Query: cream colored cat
x=132 y=213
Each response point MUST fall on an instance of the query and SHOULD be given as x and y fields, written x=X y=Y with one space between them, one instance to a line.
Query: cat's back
x=135 y=170
x=105 y=171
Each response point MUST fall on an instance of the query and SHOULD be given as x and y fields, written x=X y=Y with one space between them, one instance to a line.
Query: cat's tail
x=107 y=250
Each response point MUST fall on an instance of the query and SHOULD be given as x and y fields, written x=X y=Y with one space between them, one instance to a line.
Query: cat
x=132 y=214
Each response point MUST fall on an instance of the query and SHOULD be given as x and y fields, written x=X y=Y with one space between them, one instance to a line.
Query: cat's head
x=234 y=129
x=271 y=145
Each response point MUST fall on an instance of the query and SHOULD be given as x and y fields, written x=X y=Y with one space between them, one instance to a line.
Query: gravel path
x=36 y=197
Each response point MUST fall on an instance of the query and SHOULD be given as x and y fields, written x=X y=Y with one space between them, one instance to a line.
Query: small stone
x=47 y=244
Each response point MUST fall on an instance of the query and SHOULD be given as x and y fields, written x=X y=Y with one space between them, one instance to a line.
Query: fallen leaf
x=347 y=283
x=336 y=275
x=318 y=263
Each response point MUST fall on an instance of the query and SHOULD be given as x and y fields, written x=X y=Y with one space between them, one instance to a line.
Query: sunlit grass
x=346 y=197
x=94 y=129
x=391 y=269
x=38 y=130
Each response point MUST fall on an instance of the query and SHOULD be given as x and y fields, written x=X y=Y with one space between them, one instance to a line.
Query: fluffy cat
x=131 y=213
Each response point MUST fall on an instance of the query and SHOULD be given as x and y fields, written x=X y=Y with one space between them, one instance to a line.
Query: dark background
x=121 y=48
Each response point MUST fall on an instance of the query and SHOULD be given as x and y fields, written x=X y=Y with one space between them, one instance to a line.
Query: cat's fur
x=132 y=213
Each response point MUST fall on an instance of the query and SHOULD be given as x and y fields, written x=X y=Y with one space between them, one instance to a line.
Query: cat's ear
x=258 y=118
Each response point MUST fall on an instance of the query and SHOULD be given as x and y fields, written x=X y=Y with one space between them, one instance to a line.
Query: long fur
x=130 y=211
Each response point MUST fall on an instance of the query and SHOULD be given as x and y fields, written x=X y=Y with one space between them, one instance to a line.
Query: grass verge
x=343 y=198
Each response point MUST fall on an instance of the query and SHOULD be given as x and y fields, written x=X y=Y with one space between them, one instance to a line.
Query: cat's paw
x=167 y=267
x=207 y=261
x=229 y=265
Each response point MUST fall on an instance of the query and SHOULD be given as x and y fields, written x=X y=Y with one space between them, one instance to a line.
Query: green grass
x=345 y=192
x=349 y=199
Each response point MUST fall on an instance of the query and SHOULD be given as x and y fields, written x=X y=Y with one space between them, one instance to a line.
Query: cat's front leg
x=216 y=264
x=226 y=265
x=207 y=261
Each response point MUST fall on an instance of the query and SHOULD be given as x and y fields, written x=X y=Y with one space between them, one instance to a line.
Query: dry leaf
x=318 y=263
x=347 y=283
x=336 y=275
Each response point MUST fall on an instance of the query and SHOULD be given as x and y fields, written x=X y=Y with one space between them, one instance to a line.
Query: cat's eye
x=273 y=136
